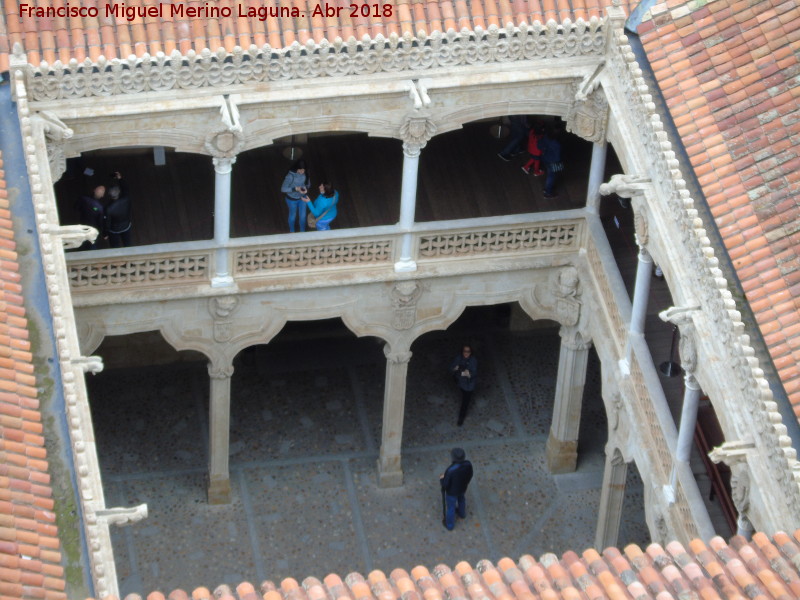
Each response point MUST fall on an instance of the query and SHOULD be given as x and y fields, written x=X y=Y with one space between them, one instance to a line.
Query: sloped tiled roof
x=65 y=38
x=29 y=546
x=730 y=74
x=763 y=568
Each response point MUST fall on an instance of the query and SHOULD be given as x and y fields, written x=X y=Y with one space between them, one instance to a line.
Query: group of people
x=108 y=209
x=295 y=188
x=543 y=147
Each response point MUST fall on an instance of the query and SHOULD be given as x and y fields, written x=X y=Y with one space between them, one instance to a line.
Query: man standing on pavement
x=454 y=482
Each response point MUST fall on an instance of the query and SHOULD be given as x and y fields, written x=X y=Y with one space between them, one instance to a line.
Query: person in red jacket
x=536 y=154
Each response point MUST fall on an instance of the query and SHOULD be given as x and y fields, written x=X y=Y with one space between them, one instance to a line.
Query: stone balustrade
x=285 y=261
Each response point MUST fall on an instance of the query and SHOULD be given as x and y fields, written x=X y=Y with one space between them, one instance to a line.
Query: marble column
x=222 y=220
x=691 y=402
x=408 y=201
x=641 y=295
x=219 y=418
x=562 y=444
x=390 y=471
x=596 y=174
x=612 y=496
x=641 y=291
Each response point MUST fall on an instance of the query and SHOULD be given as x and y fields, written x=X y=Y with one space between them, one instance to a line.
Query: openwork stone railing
x=254 y=65
x=115 y=272
x=490 y=241
x=260 y=259
x=372 y=251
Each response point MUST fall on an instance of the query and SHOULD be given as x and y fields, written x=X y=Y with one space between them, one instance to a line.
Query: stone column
x=691 y=402
x=222 y=220
x=390 y=471
x=219 y=418
x=596 y=173
x=612 y=496
x=408 y=202
x=641 y=291
x=562 y=444
x=415 y=133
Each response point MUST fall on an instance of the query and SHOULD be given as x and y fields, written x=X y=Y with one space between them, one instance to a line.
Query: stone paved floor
x=306 y=417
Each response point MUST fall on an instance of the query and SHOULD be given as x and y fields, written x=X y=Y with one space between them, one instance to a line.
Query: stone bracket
x=123 y=515
x=731 y=453
x=626 y=186
x=72 y=236
x=89 y=364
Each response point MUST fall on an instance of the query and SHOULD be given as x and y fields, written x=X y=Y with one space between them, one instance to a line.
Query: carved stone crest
x=568 y=308
x=640 y=226
x=404 y=296
x=55 y=132
x=688 y=348
x=221 y=308
x=561 y=297
x=415 y=133
x=223 y=142
x=588 y=117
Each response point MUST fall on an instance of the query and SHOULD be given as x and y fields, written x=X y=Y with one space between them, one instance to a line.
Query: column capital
x=223 y=164
x=415 y=133
x=396 y=357
x=220 y=371
x=573 y=339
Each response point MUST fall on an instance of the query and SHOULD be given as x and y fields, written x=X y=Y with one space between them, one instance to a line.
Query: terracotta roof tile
x=114 y=36
x=747 y=72
x=763 y=568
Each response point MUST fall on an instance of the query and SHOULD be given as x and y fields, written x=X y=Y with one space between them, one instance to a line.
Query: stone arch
x=179 y=140
x=457 y=119
x=266 y=135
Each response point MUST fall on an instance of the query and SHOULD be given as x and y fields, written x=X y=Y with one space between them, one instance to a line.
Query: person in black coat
x=454 y=482
x=118 y=214
x=465 y=373
x=92 y=213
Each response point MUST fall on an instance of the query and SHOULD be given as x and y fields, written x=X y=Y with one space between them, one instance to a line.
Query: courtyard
x=306 y=417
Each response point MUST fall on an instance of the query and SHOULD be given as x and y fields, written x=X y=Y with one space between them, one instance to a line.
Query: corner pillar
x=562 y=444
x=612 y=495
x=390 y=471
x=222 y=220
x=219 y=418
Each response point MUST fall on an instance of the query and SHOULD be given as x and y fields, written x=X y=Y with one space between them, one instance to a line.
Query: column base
x=219 y=491
x=222 y=281
x=390 y=473
x=562 y=456
x=405 y=266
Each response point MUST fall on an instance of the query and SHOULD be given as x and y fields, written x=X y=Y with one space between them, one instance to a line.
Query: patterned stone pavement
x=305 y=433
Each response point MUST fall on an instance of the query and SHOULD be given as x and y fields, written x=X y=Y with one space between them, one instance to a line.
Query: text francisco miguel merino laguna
x=181 y=11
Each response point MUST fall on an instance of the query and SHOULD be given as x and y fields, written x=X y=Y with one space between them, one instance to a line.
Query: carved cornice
x=81 y=437
x=253 y=65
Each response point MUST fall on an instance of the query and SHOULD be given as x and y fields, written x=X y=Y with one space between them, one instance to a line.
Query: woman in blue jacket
x=324 y=207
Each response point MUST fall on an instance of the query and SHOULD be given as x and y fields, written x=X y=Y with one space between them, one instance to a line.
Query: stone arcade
x=399 y=282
